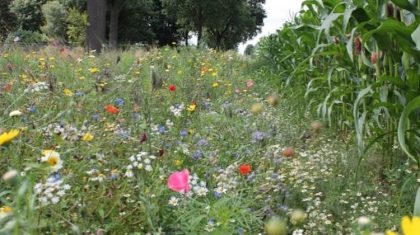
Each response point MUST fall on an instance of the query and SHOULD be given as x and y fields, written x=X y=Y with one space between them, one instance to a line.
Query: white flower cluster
x=95 y=175
x=51 y=191
x=39 y=86
x=198 y=186
x=176 y=110
x=140 y=161
x=68 y=132
x=226 y=180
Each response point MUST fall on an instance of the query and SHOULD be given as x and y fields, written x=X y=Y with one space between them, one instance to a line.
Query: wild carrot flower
x=8 y=136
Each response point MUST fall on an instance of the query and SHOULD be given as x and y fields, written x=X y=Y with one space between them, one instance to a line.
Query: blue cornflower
x=197 y=154
x=202 y=142
x=96 y=117
x=258 y=136
x=183 y=133
x=161 y=129
x=119 y=102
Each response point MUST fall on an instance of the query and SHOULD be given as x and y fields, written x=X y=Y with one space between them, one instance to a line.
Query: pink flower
x=249 y=83
x=179 y=181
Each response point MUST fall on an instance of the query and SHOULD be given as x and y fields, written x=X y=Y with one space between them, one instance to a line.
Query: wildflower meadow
x=112 y=123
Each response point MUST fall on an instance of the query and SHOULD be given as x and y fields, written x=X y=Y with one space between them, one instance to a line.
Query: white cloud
x=278 y=12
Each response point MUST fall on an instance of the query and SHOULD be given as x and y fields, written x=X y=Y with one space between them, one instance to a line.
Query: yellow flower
x=389 y=232
x=68 y=92
x=87 y=137
x=410 y=226
x=8 y=136
x=216 y=84
x=82 y=78
x=4 y=211
x=191 y=107
x=178 y=162
x=94 y=70
x=214 y=74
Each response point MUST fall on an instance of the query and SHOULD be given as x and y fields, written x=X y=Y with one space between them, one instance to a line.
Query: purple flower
x=183 y=133
x=96 y=117
x=202 y=142
x=197 y=154
x=258 y=136
x=119 y=102
x=161 y=129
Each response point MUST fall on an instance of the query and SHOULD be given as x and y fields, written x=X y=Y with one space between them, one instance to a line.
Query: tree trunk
x=96 y=24
x=186 y=37
x=199 y=35
x=116 y=8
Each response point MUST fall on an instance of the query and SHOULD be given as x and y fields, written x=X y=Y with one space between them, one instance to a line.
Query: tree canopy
x=220 y=24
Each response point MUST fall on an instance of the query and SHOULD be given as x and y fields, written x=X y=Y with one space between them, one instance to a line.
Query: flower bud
x=10 y=175
x=276 y=226
x=298 y=217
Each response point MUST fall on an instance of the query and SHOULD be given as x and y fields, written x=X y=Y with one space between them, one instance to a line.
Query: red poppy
x=172 y=87
x=111 y=109
x=245 y=169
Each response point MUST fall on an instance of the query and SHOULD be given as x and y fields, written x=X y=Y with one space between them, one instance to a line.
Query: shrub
x=25 y=37
x=28 y=13
x=76 y=27
x=55 y=17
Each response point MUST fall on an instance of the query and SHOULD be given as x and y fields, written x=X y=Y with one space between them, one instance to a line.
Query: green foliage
x=249 y=49
x=221 y=24
x=358 y=62
x=7 y=19
x=359 y=65
x=25 y=37
x=232 y=22
x=55 y=17
x=76 y=27
x=28 y=13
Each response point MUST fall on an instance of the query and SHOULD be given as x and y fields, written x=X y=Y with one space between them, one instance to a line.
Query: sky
x=278 y=12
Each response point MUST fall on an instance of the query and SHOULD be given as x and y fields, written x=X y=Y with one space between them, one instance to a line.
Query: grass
x=226 y=121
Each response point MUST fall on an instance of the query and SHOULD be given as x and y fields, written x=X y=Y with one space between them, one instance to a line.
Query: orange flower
x=111 y=109
x=245 y=169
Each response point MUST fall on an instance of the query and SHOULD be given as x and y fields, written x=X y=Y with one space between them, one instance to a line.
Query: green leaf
x=349 y=45
x=405 y=4
x=416 y=37
x=359 y=119
x=403 y=123
x=347 y=15
x=417 y=203
x=328 y=22
x=101 y=213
